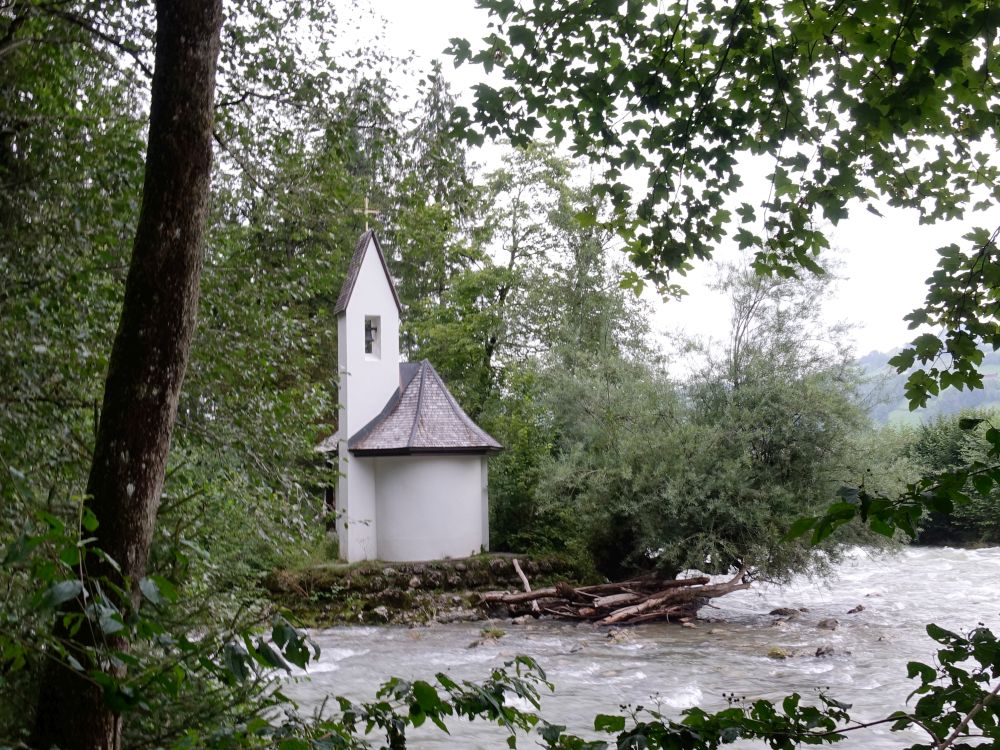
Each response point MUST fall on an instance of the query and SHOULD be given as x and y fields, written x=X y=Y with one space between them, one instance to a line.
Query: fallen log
x=506 y=597
x=647 y=585
x=672 y=600
x=678 y=614
x=615 y=600
x=638 y=587
x=643 y=599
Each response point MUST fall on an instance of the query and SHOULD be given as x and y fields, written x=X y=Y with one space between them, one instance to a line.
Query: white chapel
x=412 y=481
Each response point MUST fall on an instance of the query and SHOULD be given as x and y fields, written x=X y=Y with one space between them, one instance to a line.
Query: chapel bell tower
x=368 y=367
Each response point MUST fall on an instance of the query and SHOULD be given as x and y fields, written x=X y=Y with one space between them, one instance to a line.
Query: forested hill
x=888 y=402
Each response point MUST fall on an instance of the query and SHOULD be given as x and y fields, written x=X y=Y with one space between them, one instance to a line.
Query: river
x=672 y=668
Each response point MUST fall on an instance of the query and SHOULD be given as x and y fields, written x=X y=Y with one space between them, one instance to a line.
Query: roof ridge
x=420 y=397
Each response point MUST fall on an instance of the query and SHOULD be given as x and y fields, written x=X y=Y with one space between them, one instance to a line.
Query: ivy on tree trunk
x=151 y=347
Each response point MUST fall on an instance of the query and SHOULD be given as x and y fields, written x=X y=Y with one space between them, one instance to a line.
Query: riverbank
x=380 y=593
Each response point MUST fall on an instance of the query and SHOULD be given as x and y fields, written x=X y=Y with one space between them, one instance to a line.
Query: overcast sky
x=885 y=261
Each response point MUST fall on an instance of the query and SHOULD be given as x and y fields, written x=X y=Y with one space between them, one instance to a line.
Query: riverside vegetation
x=148 y=487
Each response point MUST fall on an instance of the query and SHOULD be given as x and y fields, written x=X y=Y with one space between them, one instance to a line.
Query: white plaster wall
x=484 y=501
x=429 y=506
x=356 y=527
x=343 y=537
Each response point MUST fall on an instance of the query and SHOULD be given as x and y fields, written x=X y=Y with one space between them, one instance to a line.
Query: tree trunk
x=150 y=351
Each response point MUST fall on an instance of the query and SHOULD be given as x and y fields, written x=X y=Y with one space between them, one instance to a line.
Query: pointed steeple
x=366 y=241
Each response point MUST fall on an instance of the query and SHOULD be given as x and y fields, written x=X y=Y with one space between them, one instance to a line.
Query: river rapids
x=671 y=668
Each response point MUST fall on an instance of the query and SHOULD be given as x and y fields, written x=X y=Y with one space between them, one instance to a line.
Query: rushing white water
x=672 y=668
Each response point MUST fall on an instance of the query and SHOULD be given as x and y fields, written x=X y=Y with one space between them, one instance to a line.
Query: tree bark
x=150 y=351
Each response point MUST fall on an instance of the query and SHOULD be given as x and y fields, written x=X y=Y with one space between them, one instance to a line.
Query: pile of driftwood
x=640 y=600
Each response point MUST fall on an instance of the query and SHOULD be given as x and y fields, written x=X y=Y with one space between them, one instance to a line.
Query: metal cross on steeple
x=367 y=212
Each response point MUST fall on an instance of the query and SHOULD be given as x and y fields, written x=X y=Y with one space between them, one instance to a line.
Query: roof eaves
x=450 y=451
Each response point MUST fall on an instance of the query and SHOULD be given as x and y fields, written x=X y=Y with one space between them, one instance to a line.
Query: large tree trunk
x=151 y=347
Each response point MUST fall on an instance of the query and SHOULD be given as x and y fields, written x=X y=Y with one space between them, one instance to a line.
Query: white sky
x=885 y=261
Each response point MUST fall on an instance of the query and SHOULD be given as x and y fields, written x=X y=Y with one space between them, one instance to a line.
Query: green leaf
x=849 y=494
x=110 y=620
x=609 y=723
x=586 y=218
x=746 y=213
x=70 y=555
x=165 y=588
x=730 y=734
x=551 y=733
x=837 y=704
x=983 y=484
x=59 y=593
x=969 y=423
x=234 y=659
x=800 y=527
x=269 y=657
x=446 y=682
x=89 y=520
x=151 y=591
x=941 y=635
x=521 y=35
x=427 y=697
x=842 y=511
x=940 y=503
x=926 y=673
x=879 y=526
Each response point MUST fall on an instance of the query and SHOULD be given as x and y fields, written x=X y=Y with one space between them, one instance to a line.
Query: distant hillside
x=889 y=406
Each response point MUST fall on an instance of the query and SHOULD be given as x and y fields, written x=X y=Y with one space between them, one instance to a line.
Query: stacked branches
x=646 y=599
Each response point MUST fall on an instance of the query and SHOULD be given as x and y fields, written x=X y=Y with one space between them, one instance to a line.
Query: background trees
x=699 y=474
x=949 y=444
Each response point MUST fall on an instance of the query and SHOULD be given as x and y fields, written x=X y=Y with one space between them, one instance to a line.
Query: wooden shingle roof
x=421 y=417
x=355 y=268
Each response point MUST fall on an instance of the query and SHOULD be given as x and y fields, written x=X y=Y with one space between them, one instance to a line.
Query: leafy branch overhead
x=851 y=103
x=962 y=301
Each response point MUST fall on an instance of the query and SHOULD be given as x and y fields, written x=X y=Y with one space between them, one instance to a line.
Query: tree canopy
x=853 y=104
